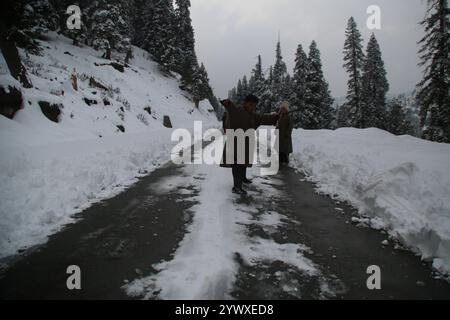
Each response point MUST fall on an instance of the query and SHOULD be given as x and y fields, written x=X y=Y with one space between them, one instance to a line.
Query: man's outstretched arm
x=268 y=119
x=228 y=104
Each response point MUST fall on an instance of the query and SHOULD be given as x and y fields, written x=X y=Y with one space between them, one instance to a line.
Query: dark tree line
x=366 y=103
x=161 y=27
x=306 y=90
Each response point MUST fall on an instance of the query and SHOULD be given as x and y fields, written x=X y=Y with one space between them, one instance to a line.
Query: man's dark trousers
x=239 y=173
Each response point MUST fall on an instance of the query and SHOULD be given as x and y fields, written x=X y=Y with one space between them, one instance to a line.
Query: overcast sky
x=231 y=33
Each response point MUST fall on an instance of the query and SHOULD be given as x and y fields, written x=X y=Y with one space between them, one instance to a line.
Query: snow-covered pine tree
x=33 y=18
x=186 y=58
x=78 y=36
x=245 y=87
x=299 y=86
x=374 y=87
x=258 y=82
x=239 y=91
x=279 y=73
x=287 y=89
x=396 y=121
x=201 y=89
x=107 y=27
x=353 y=61
x=433 y=90
x=160 y=32
x=317 y=112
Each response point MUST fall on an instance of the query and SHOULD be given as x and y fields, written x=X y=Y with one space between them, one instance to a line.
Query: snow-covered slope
x=48 y=170
x=400 y=183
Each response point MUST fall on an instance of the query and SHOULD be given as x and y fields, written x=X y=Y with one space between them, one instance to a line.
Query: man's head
x=250 y=103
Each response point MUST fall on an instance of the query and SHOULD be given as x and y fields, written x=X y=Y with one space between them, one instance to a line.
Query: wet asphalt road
x=118 y=240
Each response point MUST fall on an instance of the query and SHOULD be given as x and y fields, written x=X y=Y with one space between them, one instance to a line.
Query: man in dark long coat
x=244 y=117
x=285 y=128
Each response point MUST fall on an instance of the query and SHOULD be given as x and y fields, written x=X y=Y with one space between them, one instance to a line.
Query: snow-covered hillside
x=401 y=184
x=109 y=132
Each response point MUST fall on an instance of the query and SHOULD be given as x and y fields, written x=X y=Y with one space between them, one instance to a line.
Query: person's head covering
x=285 y=105
x=251 y=98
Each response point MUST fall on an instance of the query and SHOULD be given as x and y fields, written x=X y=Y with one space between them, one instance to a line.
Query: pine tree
x=107 y=28
x=201 y=89
x=245 y=87
x=433 y=90
x=397 y=122
x=374 y=87
x=30 y=20
x=186 y=58
x=288 y=88
x=317 y=112
x=258 y=81
x=159 y=30
x=299 y=85
x=278 y=77
x=353 y=61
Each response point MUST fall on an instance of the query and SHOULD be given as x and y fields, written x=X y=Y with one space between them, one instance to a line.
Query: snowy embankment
x=109 y=131
x=401 y=184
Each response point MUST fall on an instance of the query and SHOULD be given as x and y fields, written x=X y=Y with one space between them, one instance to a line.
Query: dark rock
x=96 y=84
x=89 y=102
x=116 y=65
x=10 y=101
x=166 y=122
x=106 y=102
x=119 y=67
x=148 y=109
x=51 y=111
x=121 y=128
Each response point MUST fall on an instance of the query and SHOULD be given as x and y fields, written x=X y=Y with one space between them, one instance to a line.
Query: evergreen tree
x=317 y=112
x=159 y=30
x=201 y=89
x=258 y=81
x=433 y=90
x=107 y=28
x=239 y=92
x=353 y=61
x=299 y=85
x=397 y=122
x=278 y=77
x=186 y=58
x=29 y=20
x=374 y=87
x=245 y=87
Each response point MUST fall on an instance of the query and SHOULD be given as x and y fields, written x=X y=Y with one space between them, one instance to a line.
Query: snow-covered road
x=179 y=233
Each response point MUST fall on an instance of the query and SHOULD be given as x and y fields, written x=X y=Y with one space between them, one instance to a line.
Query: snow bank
x=50 y=171
x=42 y=187
x=401 y=183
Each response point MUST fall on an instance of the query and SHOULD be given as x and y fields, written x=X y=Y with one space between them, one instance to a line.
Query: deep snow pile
x=49 y=170
x=401 y=184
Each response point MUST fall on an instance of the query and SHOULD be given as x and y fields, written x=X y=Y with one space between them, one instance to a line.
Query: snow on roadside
x=44 y=186
x=401 y=183
x=49 y=171
x=204 y=265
